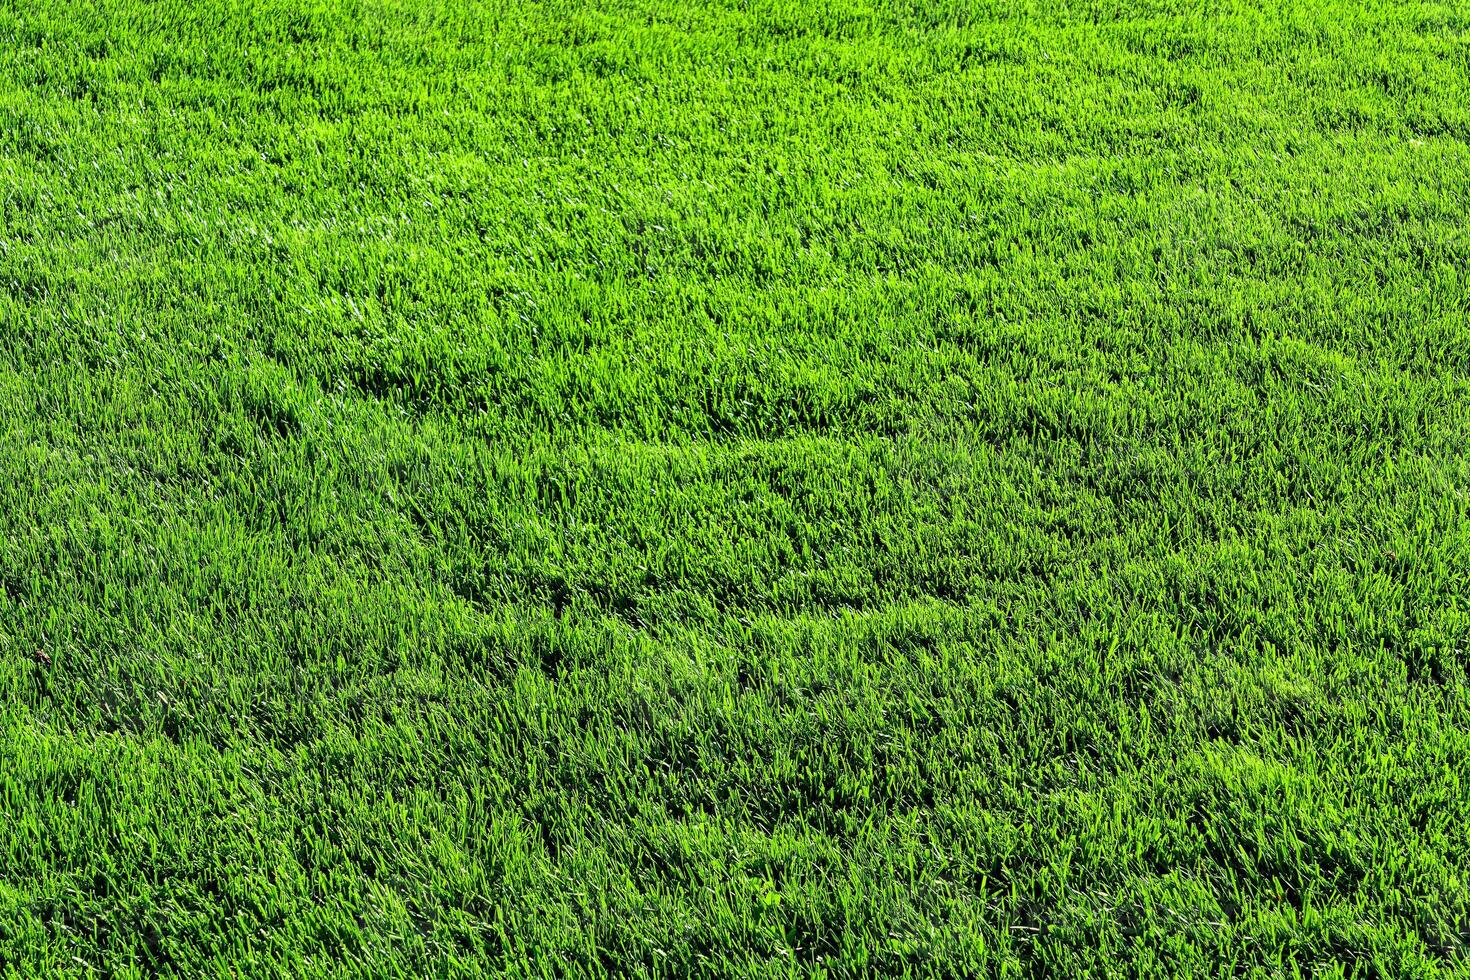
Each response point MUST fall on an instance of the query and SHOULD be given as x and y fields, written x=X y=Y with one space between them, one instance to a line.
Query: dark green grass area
x=771 y=488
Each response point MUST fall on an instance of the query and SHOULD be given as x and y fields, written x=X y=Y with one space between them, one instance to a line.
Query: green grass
x=753 y=488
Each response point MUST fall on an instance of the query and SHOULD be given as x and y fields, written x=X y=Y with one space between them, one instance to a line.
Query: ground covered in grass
x=734 y=488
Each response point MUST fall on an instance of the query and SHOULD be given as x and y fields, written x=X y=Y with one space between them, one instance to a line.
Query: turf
x=762 y=488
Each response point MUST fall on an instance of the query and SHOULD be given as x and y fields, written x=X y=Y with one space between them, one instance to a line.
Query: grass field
x=752 y=488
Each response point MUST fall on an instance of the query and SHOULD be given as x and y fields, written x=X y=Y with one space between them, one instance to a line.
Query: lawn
x=734 y=488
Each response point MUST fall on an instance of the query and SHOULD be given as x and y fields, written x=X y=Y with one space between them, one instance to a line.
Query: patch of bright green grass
x=745 y=489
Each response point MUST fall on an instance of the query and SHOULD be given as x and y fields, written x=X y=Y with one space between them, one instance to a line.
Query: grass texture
x=750 y=489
